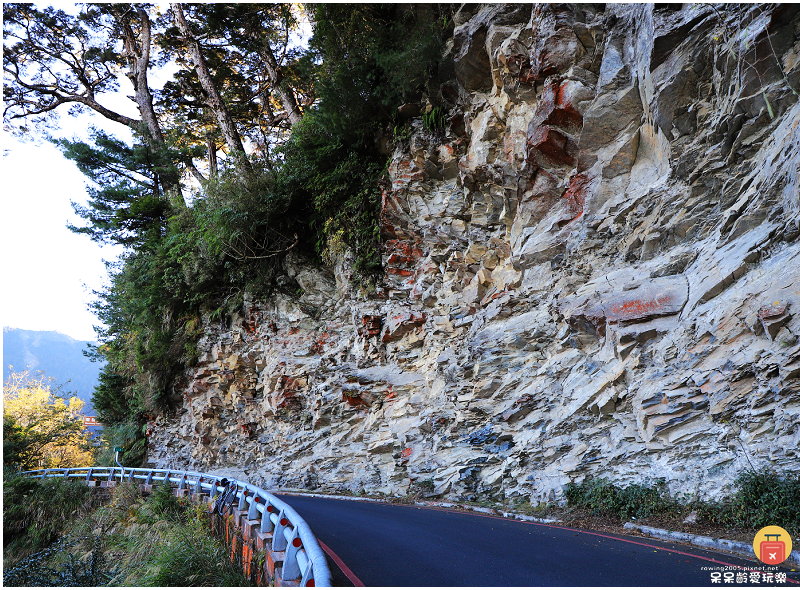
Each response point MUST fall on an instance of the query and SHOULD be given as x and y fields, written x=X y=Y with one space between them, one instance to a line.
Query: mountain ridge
x=57 y=355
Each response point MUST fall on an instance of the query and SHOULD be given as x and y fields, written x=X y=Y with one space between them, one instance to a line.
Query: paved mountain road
x=397 y=545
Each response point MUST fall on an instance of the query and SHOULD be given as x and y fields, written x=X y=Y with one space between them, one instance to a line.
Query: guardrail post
x=266 y=522
x=182 y=488
x=66 y=474
x=166 y=477
x=46 y=471
x=278 y=538
x=308 y=575
x=291 y=569
x=147 y=486
x=242 y=500
x=252 y=513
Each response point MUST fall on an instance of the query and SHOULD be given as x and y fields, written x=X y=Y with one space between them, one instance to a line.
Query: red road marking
x=347 y=571
x=605 y=536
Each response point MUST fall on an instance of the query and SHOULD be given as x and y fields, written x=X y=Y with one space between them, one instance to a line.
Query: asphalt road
x=396 y=545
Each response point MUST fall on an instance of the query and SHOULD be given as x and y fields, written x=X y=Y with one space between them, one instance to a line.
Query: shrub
x=129 y=436
x=763 y=497
x=434 y=120
x=633 y=501
x=162 y=505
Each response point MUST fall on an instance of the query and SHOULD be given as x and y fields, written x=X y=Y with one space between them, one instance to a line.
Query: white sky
x=45 y=266
x=49 y=272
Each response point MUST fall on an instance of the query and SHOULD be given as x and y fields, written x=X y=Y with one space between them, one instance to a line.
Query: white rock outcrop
x=595 y=271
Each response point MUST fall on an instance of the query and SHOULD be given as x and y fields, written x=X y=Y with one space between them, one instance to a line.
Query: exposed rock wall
x=595 y=271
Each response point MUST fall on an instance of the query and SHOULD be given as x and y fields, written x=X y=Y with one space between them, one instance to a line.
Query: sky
x=49 y=272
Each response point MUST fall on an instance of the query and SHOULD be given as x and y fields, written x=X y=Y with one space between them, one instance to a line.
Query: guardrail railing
x=303 y=559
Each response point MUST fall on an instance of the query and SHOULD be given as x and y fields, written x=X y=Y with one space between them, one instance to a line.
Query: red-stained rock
x=575 y=196
x=646 y=302
x=402 y=252
x=354 y=401
x=520 y=67
x=287 y=392
x=370 y=325
x=652 y=299
x=249 y=429
x=552 y=144
x=636 y=309
x=556 y=46
x=774 y=317
x=402 y=272
x=404 y=172
x=199 y=386
x=399 y=324
x=555 y=106
x=250 y=324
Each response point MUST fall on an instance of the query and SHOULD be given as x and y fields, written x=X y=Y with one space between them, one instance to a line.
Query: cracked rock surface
x=594 y=271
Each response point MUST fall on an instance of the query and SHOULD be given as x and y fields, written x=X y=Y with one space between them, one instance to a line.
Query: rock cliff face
x=593 y=271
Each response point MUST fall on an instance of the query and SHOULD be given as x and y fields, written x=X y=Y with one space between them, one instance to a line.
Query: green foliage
x=318 y=195
x=763 y=497
x=375 y=57
x=158 y=541
x=162 y=505
x=240 y=231
x=110 y=402
x=15 y=443
x=127 y=205
x=193 y=558
x=633 y=501
x=341 y=183
x=434 y=120
x=36 y=512
x=129 y=436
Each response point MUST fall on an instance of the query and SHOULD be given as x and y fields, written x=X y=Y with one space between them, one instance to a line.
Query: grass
x=130 y=541
x=761 y=498
x=633 y=501
x=35 y=512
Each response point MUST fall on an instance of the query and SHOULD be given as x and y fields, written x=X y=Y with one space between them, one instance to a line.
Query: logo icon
x=772 y=545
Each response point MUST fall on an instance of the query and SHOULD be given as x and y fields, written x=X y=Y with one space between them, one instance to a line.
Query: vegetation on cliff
x=258 y=146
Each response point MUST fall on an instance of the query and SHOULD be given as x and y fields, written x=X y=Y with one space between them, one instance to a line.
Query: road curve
x=395 y=545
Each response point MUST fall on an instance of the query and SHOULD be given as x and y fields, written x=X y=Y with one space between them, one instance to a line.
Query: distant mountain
x=58 y=355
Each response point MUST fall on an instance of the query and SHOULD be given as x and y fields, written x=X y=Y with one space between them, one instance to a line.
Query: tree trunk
x=215 y=102
x=286 y=96
x=212 y=158
x=139 y=62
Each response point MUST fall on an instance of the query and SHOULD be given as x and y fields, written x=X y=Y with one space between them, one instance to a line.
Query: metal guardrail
x=303 y=559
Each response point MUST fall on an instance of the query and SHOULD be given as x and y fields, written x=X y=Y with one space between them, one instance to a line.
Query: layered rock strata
x=593 y=271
